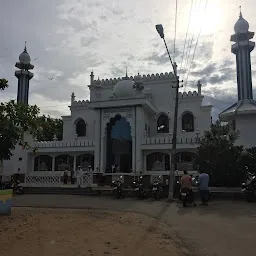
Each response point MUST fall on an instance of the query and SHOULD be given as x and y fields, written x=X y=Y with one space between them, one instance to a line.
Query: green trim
x=6 y=192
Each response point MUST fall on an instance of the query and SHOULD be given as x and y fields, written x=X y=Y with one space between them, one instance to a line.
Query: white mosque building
x=125 y=128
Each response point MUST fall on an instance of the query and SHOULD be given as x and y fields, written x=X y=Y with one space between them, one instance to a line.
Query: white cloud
x=72 y=37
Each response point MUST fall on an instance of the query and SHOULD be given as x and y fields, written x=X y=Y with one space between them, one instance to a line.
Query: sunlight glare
x=209 y=19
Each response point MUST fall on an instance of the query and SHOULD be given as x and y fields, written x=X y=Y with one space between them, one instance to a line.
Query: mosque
x=125 y=128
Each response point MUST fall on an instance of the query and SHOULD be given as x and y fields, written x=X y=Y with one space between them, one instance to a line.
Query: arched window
x=80 y=128
x=163 y=124
x=188 y=122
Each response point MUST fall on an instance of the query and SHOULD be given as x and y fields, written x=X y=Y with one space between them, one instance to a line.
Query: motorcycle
x=13 y=184
x=249 y=187
x=17 y=187
x=186 y=194
x=117 y=188
x=157 y=190
x=139 y=189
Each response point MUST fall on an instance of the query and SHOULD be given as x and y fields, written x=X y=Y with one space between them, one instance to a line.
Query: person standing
x=79 y=176
x=203 y=185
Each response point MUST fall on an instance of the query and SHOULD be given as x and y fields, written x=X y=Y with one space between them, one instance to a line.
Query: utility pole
x=174 y=138
x=160 y=31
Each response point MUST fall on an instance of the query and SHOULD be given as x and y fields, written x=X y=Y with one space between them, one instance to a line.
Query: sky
x=67 y=39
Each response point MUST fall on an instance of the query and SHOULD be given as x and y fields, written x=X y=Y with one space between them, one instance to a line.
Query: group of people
x=203 y=185
x=72 y=176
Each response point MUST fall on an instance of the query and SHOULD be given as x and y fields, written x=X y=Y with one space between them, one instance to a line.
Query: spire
x=240 y=14
x=25 y=48
x=92 y=77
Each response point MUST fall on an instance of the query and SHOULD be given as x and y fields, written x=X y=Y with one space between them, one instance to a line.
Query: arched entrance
x=119 y=145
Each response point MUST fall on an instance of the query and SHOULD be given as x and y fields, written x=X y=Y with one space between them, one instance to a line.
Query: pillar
x=53 y=163
x=74 y=164
x=97 y=140
x=139 y=127
x=134 y=139
x=102 y=145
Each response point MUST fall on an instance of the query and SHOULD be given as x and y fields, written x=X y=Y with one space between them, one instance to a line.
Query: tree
x=48 y=128
x=3 y=84
x=219 y=156
x=15 y=119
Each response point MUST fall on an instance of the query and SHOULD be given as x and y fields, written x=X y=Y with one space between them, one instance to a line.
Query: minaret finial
x=126 y=72
x=25 y=48
x=240 y=14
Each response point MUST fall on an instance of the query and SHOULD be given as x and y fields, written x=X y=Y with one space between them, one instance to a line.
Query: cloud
x=72 y=37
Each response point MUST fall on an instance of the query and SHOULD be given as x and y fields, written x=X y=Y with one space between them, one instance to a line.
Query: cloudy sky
x=66 y=39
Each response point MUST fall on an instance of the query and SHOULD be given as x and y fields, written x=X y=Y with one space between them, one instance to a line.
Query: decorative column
x=74 y=164
x=53 y=163
x=139 y=123
x=133 y=139
x=97 y=140
x=102 y=144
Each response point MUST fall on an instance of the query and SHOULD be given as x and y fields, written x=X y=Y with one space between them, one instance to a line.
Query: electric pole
x=160 y=31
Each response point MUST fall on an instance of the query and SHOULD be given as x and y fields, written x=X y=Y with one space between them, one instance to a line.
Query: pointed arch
x=187 y=121
x=163 y=123
x=80 y=127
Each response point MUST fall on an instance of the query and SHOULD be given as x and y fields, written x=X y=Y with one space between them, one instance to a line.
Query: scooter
x=139 y=189
x=118 y=191
x=157 y=190
x=186 y=196
x=249 y=187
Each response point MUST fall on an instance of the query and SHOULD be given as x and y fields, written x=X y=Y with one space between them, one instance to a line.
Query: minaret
x=73 y=98
x=241 y=115
x=23 y=75
x=92 y=77
x=199 y=88
x=242 y=49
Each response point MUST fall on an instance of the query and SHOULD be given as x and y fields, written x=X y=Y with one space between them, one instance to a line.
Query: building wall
x=246 y=125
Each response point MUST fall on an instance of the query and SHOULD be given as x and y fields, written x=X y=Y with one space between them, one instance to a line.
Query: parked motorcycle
x=249 y=187
x=157 y=190
x=139 y=189
x=13 y=184
x=117 y=188
x=17 y=187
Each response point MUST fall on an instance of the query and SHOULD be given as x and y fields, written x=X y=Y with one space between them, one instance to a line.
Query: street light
x=160 y=31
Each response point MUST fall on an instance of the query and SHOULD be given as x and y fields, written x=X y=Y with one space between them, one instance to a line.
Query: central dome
x=124 y=88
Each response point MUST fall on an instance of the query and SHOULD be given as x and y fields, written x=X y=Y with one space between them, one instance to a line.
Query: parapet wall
x=188 y=94
x=152 y=77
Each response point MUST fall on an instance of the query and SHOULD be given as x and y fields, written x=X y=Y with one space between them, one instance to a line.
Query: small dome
x=241 y=25
x=124 y=88
x=24 y=57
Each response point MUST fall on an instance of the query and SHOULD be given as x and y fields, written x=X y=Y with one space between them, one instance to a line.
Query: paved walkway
x=224 y=228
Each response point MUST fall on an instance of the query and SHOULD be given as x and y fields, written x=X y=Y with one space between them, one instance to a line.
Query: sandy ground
x=62 y=232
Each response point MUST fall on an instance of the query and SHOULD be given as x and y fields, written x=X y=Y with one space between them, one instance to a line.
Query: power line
x=190 y=43
x=186 y=36
x=175 y=28
x=185 y=84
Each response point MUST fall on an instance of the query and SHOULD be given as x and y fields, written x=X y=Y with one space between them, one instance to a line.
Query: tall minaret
x=241 y=115
x=242 y=49
x=23 y=75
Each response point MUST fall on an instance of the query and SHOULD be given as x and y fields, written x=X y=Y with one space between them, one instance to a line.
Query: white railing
x=64 y=144
x=54 y=180
x=168 y=140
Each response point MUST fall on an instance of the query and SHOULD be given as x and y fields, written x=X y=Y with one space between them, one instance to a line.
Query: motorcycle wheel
x=184 y=204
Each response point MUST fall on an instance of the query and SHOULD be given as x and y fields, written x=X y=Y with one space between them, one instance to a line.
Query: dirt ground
x=41 y=232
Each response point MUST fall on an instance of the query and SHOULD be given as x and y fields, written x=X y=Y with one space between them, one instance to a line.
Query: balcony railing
x=64 y=144
x=168 y=140
x=53 y=180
